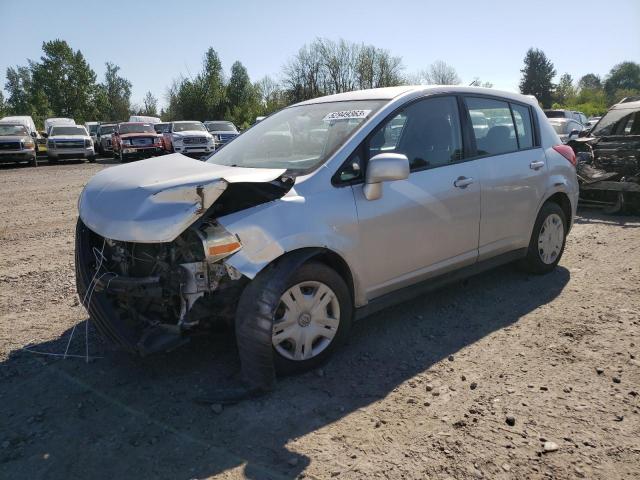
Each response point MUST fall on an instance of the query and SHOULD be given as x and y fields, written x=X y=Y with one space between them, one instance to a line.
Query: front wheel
x=547 y=240
x=309 y=312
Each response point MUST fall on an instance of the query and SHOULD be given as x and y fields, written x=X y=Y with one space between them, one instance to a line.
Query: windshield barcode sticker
x=346 y=115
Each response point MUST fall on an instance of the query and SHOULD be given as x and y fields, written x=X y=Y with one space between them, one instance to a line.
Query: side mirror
x=34 y=134
x=384 y=167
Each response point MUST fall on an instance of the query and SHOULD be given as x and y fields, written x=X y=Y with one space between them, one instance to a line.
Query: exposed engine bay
x=609 y=176
x=157 y=293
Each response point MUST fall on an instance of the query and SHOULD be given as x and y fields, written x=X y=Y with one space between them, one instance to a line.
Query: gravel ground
x=502 y=376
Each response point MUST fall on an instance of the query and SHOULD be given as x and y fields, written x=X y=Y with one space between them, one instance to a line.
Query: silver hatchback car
x=324 y=212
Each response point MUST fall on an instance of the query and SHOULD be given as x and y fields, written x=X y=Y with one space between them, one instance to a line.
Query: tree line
x=591 y=94
x=62 y=83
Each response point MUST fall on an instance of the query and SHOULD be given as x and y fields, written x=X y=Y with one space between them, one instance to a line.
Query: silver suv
x=320 y=214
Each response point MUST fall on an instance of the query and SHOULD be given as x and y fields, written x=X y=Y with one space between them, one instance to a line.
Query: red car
x=136 y=140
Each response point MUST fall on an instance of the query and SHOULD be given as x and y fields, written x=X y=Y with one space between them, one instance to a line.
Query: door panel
x=512 y=186
x=420 y=227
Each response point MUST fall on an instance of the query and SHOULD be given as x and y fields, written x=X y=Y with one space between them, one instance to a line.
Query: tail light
x=567 y=152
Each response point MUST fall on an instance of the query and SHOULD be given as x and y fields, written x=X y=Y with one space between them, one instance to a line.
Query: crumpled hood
x=155 y=200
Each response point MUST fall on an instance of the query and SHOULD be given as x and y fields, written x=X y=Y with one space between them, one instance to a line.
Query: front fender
x=323 y=220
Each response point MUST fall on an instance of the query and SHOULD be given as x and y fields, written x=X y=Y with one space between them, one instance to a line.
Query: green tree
x=3 y=105
x=114 y=95
x=149 y=105
x=623 y=76
x=537 y=76
x=590 y=81
x=565 y=91
x=66 y=80
x=18 y=86
x=242 y=97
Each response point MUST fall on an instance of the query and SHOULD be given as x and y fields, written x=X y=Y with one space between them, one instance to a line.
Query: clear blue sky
x=156 y=41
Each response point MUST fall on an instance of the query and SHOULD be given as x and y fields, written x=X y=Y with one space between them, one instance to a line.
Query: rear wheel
x=547 y=240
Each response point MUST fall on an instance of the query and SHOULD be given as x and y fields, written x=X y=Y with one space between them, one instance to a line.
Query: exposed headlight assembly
x=217 y=242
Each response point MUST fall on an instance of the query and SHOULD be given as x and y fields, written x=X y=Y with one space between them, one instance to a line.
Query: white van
x=144 y=119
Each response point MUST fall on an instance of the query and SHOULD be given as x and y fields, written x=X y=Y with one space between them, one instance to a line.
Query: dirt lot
x=428 y=389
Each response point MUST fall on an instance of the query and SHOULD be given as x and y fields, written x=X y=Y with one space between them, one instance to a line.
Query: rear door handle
x=462 y=182
x=536 y=165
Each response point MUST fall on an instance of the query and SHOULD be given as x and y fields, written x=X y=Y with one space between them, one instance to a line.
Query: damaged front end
x=147 y=294
x=608 y=174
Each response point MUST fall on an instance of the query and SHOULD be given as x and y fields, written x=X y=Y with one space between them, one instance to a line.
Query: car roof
x=626 y=105
x=389 y=93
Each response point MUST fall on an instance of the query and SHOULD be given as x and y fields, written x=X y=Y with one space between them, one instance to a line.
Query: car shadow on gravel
x=116 y=417
x=594 y=216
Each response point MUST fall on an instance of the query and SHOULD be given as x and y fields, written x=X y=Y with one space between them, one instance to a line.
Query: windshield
x=623 y=121
x=106 y=129
x=161 y=127
x=560 y=128
x=136 y=128
x=13 y=130
x=67 y=131
x=93 y=128
x=186 y=126
x=297 y=138
x=221 y=127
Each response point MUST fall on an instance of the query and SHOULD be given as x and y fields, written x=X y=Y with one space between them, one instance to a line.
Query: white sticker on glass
x=346 y=115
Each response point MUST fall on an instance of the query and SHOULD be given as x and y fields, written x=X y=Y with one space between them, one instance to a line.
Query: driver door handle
x=462 y=182
x=536 y=165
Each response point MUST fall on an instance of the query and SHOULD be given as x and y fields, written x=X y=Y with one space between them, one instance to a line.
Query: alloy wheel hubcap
x=551 y=239
x=306 y=320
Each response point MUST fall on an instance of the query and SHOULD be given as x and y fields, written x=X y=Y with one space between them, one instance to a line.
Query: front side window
x=427 y=132
x=500 y=137
x=298 y=138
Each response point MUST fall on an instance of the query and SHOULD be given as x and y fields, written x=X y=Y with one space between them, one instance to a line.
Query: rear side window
x=524 y=129
x=427 y=132
x=500 y=134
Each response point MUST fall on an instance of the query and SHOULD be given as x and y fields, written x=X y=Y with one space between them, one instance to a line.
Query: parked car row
x=140 y=137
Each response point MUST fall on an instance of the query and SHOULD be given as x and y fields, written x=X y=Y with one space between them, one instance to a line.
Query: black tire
x=92 y=159
x=257 y=308
x=33 y=162
x=533 y=262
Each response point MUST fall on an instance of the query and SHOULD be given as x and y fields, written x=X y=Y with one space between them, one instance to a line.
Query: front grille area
x=195 y=140
x=142 y=141
x=69 y=143
x=225 y=137
x=9 y=145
